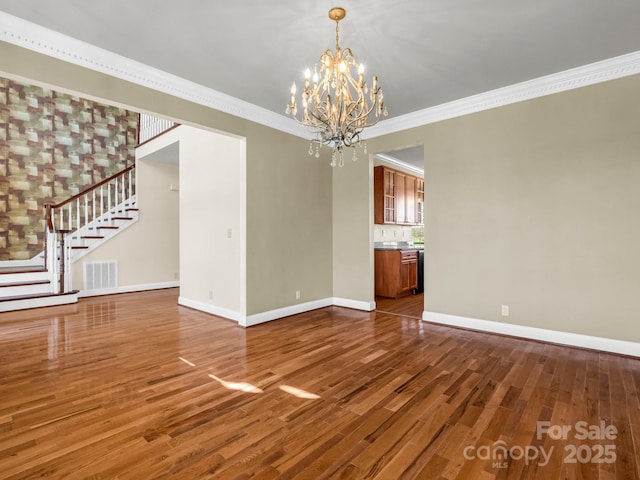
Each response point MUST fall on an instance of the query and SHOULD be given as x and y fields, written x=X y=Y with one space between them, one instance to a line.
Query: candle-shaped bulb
x=293 y=88
x=307 y=74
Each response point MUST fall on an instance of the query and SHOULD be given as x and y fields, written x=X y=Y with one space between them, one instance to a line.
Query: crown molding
x=398 y=163
x=42 y=40
x=593 y=73
x=34 y=37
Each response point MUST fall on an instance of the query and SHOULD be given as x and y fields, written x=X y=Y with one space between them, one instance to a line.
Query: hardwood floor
x=409 y=306
x=135 y=387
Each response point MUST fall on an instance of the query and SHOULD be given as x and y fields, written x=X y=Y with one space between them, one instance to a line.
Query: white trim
x=267 y=316
x=553 y=336
x=397 y=163
x=34 y=37
x=355 y=304
x=128 y=289
x=91 y=228
x=47 y=301
x=39 y=39
x=212 y=309
x=36 y=261
x=593 y=73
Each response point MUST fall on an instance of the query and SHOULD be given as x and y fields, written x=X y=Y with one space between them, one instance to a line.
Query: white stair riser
x=107 y=233
x=24 y=289
x=27 y=303
x=24 y=277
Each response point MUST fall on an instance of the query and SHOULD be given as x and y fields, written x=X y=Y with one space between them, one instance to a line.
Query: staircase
x=74 y=227
x=29 y=287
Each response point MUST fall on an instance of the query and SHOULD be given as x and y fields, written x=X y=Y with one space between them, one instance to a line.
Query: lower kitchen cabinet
x=396 y=272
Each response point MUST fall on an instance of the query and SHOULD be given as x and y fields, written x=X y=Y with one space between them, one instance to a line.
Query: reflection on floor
x=134 y=386
x=409 y=306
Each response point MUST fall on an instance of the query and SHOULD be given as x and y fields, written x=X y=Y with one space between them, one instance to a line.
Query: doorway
x=401 y=227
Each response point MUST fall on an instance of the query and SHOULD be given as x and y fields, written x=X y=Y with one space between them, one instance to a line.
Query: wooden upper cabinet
x=401 y=205
x=410 y=199
x=397 y=197
x=420 y=201
x=384 y=192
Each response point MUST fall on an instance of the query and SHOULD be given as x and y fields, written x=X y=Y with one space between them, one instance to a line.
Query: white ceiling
x=425 y=52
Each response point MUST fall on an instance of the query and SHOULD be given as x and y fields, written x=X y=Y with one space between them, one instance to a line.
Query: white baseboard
x=262 y=317
x=356 y=304
x=212 y=309
x=128 y=289
x=534 y=333
x=267 y=316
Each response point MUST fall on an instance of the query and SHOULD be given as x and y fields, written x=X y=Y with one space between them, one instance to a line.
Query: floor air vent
x=100 y=275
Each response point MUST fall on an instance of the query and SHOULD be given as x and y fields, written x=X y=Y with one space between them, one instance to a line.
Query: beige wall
x=212 y=213
x=288 y=223
x=353 y=277
x=147 y=251
x=536 y=206
x=289 y=228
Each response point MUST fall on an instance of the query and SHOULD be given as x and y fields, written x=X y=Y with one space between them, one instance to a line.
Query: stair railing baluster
x=57 y=245
x=86 y=210
x=117 y=192
x=109 y=197
x=78 y=214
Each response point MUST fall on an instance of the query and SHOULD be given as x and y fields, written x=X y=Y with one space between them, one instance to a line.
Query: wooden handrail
x=50 y=206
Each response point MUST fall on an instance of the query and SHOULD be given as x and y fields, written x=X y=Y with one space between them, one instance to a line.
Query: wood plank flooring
x=409 y=306
x=136 y=387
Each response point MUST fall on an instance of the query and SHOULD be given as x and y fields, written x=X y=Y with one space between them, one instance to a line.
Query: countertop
x=396 y=246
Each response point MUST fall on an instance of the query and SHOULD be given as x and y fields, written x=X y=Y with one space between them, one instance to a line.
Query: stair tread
x=79 y=247
x=24 y=284
x=93 y=237
x=121 y=218
x=34 y=269
x=36 y=295
x=112 y=227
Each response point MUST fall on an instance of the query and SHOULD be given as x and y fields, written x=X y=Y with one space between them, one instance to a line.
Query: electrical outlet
x=505 y=310
x=297 y=294
x=210 y=294
x=229 y=233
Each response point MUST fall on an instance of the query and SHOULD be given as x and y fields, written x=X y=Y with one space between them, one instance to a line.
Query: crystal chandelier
x=337 y=104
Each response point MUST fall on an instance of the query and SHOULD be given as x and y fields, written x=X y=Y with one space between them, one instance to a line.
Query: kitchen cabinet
x=397 y=197
x=401 y=195
x=410 y=199
x=384 y=183
x=396 y=272
x=420 y=201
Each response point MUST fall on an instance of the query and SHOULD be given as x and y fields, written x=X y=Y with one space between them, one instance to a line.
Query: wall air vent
x=100 y=275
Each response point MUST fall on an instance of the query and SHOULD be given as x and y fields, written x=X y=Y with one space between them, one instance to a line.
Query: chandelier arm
x=338 y=103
